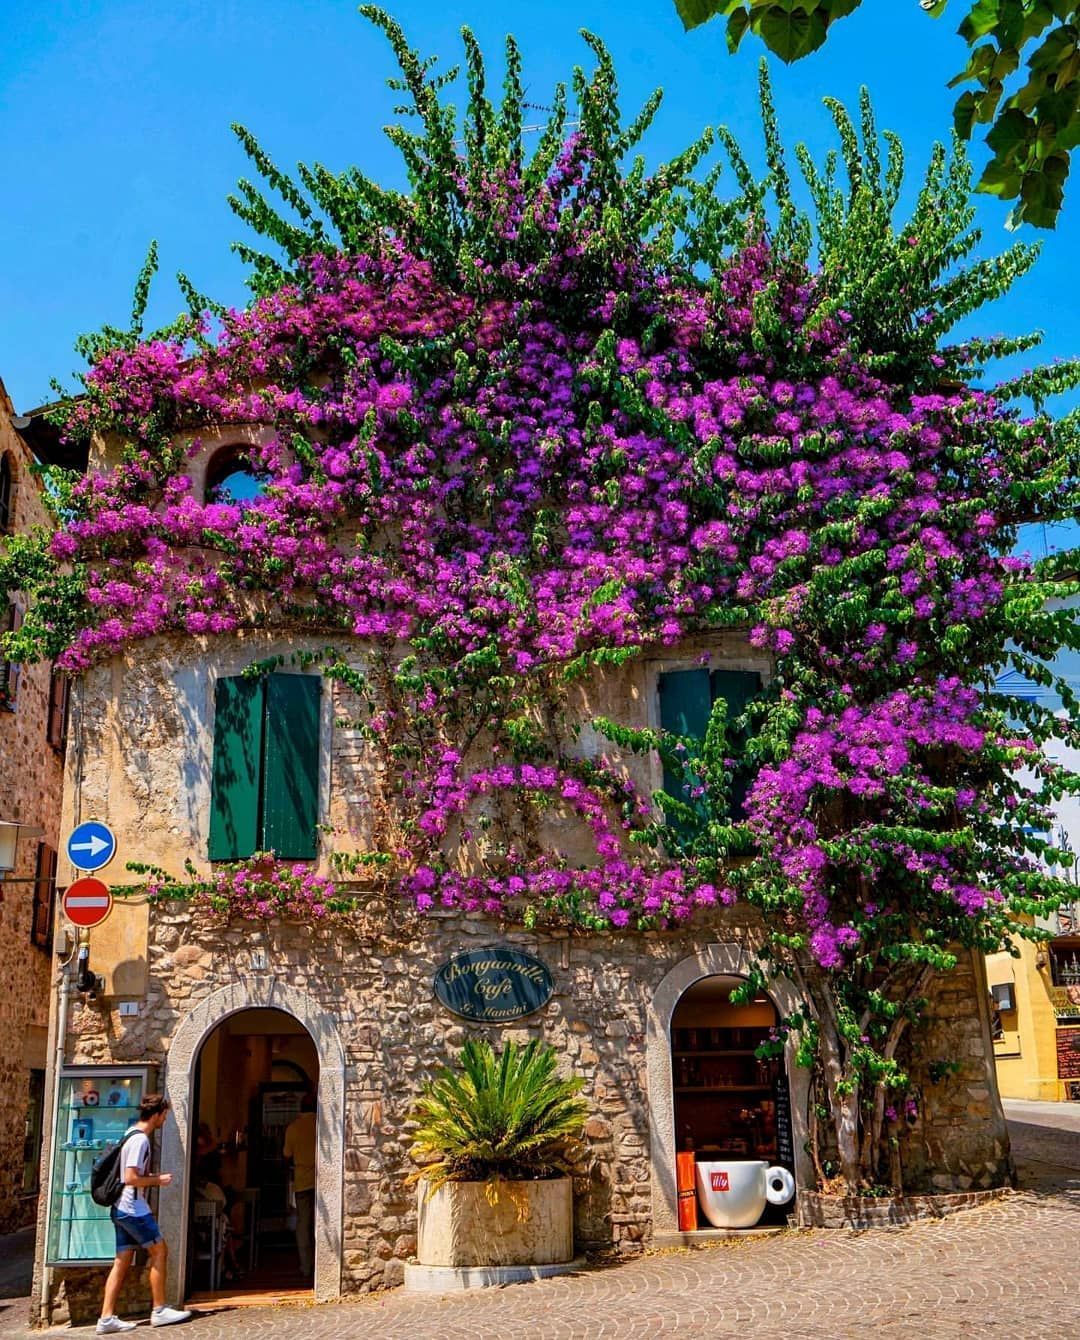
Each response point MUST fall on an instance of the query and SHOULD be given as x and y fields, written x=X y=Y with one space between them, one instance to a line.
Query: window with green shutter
x=686 y=703
x=265 y=788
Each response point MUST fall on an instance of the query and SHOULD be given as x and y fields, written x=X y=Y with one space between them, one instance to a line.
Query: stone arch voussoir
x=255 y=993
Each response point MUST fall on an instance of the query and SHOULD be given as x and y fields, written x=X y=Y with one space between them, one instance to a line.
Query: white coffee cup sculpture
x=733 y=1194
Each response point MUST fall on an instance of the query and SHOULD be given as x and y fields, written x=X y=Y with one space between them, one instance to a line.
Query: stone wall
x=378 y=993
x=30 y=786
x=140 y=760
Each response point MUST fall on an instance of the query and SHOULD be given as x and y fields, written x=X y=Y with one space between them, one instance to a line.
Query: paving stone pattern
x=1006 y=1269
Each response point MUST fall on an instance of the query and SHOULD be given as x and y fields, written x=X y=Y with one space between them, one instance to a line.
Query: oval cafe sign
x=493 y=985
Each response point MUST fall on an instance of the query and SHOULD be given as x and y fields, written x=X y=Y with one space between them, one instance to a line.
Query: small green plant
x=509 y=1116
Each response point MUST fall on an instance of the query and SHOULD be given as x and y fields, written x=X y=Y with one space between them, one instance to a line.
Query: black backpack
x=106 y=1183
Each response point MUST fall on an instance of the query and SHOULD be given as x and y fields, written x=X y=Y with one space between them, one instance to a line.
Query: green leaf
x=1054 y=51
x=791 y=33
x=1042 y=192
x=982 y=19
x=964 y=114
x=982 y=58
x=1012 y=131
x=1000 y=179
x=696 y=12
x=736 y=29
x=1069 y=136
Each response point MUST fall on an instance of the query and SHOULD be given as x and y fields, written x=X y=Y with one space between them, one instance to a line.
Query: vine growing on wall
x=547 y=410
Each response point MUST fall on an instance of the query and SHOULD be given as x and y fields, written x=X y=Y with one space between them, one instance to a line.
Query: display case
x=96 y=1106
x=726 y=1101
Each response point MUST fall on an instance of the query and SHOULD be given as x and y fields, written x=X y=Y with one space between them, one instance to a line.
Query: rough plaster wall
x=30 y=784
x=143 y=742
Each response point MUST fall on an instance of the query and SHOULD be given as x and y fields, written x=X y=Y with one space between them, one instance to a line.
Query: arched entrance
x=318 y=1035
x=728 y=1103
x=252 y=1165
x=694 y=997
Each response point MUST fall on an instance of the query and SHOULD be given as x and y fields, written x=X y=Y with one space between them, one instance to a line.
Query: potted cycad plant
x=497 y=1139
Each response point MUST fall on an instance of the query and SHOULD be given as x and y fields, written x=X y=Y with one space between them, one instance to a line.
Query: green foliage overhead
x=510 y=1115
x=1033 y=112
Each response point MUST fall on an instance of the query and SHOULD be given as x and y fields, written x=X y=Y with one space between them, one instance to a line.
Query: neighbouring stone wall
x=31 y=777
x=378 y=993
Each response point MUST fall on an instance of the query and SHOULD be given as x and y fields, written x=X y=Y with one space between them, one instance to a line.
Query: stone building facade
x=141 y=760
x=31 y=778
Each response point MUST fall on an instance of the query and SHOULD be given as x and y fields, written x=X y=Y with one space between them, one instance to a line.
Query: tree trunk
x=876 y=1124
x=843 y=1104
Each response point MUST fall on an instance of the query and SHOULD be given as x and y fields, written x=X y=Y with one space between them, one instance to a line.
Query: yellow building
x=1037 y=1020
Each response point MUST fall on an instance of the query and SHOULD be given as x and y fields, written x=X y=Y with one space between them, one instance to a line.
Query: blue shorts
x=134 y=1230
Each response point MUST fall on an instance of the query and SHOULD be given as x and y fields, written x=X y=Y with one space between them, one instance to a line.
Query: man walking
x=136 y=1226
x=300 y=1148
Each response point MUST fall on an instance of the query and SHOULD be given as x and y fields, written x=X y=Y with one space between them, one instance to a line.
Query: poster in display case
x=96 y=1106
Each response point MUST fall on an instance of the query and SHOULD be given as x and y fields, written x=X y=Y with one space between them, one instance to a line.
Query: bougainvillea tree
x=547 y=410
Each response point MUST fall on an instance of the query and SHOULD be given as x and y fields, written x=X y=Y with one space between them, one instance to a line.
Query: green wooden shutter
x=685 y=704
x=737 y=688
x=238 y=748
x=291 y=766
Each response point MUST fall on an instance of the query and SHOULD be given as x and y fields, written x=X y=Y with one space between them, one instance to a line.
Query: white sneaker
x=168 y=1316
x=111 y=1325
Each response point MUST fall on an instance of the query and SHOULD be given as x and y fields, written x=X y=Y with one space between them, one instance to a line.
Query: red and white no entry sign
x=87 y=902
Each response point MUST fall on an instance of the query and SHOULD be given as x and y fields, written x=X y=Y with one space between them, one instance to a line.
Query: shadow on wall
x=16 y=1275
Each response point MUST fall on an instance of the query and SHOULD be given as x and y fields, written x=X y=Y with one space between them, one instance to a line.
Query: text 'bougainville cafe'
x=555 y=610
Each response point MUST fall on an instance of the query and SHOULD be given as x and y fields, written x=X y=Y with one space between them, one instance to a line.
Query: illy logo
x=719 y=1181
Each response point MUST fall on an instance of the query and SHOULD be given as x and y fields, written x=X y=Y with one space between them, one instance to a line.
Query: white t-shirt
x=135 y=1154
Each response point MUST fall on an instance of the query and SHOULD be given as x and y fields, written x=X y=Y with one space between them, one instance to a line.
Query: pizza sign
x=719 y=1181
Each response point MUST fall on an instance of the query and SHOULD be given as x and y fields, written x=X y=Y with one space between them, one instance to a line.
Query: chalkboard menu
x=785 y=1145
x=1068 y=1053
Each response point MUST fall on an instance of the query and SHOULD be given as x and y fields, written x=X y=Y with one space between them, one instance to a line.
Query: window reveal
x=57 y=722
x=44 y=903
x=9 y=670
x=687 y=698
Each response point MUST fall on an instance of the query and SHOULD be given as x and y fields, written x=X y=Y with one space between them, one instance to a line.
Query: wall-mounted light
x=10 y=832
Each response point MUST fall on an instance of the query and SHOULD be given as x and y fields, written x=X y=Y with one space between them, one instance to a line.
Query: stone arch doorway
x=725 y=961
x=178 y=1135
x=256 y=1078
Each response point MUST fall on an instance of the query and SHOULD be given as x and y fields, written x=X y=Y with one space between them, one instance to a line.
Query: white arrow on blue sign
x=91 y=846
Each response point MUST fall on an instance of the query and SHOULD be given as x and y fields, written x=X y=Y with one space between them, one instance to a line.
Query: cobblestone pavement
x=1008 y=1268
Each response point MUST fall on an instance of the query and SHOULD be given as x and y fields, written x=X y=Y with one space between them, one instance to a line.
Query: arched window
x=6 y=481
x=230 y=478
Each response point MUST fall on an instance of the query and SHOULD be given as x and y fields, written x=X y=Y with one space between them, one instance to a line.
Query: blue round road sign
x=91 y=846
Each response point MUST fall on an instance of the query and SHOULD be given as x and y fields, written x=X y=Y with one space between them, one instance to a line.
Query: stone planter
x=530 y=1224
x=814 y=1210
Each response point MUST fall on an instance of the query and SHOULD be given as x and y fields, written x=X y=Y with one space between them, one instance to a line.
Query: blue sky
x=114 y=129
